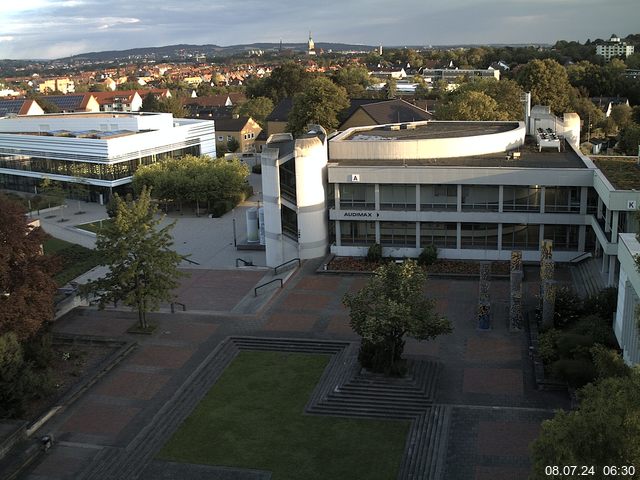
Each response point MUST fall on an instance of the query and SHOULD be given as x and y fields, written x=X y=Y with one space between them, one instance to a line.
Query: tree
x=150 y=103
x=354 y=79
x=603 y=431
x=548 y=83
x=26 y=286
x=389 y=307
x=469 y=105
x=284 y=81
x=143 y=269
x=621 y=114
x=320 y=103
x=391 y=89
x=172 y=105
x=630 y=139
x=233 y=145
x=257 y=108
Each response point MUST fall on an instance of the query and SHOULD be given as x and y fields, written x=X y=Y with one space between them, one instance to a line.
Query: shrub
x=609 y=363
x=375 y=357
x=568 y=307
x=597 y=328
x=576 y=372
x=39 y=350
x=604 y=304
x=428 y=256
x=547 y=346
x=375 y=253
x=572 y=345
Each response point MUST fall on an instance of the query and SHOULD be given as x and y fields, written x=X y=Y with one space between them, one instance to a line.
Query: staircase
x=587 y=277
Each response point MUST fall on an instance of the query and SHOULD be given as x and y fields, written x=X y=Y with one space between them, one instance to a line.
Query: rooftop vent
x=392 y=127
x=408 y=126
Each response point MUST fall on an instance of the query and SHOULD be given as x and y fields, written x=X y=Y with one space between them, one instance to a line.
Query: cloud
x=6 y=38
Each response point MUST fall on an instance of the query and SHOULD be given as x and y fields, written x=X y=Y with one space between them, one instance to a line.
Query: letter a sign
x=355 y=177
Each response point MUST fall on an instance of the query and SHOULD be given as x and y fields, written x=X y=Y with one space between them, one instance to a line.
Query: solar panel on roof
x=65 y=102
x=10 y=106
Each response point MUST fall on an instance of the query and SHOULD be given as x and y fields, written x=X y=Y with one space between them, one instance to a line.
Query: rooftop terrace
x=429 y=130
x=622 y=172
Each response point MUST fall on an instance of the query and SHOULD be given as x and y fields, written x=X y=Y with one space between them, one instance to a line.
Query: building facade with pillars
x=625 y=324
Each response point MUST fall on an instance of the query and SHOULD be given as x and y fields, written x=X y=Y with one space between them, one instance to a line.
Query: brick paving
x=486 y=377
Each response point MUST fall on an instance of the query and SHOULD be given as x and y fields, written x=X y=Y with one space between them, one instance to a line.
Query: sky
x=46 y=29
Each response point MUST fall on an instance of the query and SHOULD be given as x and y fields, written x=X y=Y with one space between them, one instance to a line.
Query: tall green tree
x=285 y=81
x=603 y=431
x=354 y=79
x=629 y=139
x=391 y=306
x=257 y=108
x=470 y=105
x=143 y=268
x=320 y=103
x=548 y=83
x=150 y=103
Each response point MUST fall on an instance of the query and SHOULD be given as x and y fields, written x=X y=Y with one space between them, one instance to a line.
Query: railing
x=275 y=269
x=581 y=257
x=190 y=261
x=255 y=290
x=173 y=307
x=247 y=263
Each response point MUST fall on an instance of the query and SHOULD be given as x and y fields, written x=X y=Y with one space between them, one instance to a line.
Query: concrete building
x=626 y=324
x=614 y=48
x=99 y=150
x=62 y=85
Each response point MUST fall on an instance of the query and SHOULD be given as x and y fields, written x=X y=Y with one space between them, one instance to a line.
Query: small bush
x=547 y=346
x=257 y=168
x=375 y=253
x=609 y=363
x=604 y=304
x=571 y=345
x=576 y=372
x=597 y=328
x=568 y=307
x=428 y=256
x=39 y=351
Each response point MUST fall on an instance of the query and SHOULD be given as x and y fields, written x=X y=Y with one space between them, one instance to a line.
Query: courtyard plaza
x=486 y=381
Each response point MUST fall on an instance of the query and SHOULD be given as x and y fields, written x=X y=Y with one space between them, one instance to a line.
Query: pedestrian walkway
x=492 y=410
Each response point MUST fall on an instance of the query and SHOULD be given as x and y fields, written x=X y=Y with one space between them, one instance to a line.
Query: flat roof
x=622 y=172
x=84 y=115
x=530 y=157
x=429 y=129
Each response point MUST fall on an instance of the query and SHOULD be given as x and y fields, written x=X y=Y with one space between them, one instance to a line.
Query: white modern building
x=100 y=150
x=614 y=47
x=626 y=325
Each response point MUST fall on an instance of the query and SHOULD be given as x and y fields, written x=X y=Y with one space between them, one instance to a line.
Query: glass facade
x=442 y=235
x=521 y=199
x=562 y=199
x=357 y=233
x=355 y=196
x=289 y=220
x=288 y=180
x=438 y=197
x=397 y=197
x=99 y=171
x=483 y=236
x=480 y=198
x=564 y=237
x=398 y=234
x=520 y=236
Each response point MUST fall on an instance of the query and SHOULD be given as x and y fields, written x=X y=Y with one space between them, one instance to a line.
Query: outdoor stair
x=587 y=277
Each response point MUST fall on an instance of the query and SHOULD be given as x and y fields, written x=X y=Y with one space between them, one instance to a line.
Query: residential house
x=19 y=106
x=119 y=101
x=607 y=103
x=244 y=130
x=62 y=85
x=77 y=102
x=365 y=112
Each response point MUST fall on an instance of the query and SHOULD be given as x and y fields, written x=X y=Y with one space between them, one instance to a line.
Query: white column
x=336 y=195
x=417 y=198
x=458 y=235
x=459 y=206
x=614 y=226
x=582 y=237
x=417 y=234
x=542 y=194
x=376 y=195
x=500 y=202
x=612 y=271
x=338 y=232
x=500 y=229
x=584 y=191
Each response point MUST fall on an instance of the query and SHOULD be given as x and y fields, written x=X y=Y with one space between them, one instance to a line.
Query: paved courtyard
x=486 y=377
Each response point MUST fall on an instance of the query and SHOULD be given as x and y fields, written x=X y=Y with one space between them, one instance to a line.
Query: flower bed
x=440 y=267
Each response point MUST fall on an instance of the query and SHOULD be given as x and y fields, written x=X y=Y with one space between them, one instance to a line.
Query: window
x=480 y=197
x=521 y=199
x=357 y=233
x=562 y=199
x=483 y=236
x=356 y=196
x=564 y=237
x=398 y=234
x=397 y=197
x=520 y=237
x=442 y=235
x=438 y=197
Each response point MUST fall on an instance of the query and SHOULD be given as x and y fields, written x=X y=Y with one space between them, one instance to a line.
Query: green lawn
x=75 y=259
x=253 y=418
x=94 y=226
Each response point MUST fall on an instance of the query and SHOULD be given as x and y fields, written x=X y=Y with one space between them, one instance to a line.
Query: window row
x=482 y=236
x=474 y=198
